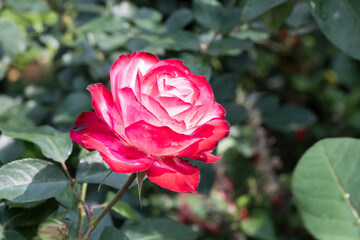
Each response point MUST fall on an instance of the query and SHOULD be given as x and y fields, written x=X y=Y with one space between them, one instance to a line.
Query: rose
x=156 y=113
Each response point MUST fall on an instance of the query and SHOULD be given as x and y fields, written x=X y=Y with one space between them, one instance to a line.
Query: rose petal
x=208 y=112
x=173 y=105
x=132 y=110
x=209 y=135
x=88 y=122
x=174 y=174
x=206 y=93
x=172 y=62
x=154 y=79
x=105 y=108
x=206 y=157
x=120 y=158
x=221 y=129
x=125 y=71
x=158 y=141
x=192 y=115
x=161 y=114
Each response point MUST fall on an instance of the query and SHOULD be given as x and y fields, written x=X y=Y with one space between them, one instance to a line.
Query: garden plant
x=174 y=119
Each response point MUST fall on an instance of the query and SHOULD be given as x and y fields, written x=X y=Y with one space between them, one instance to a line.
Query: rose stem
x=118 y=195
x=82 y=212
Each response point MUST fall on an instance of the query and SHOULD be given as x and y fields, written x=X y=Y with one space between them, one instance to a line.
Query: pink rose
x=156 y=113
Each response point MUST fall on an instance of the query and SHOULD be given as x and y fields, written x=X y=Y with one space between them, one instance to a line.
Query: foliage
x=286 y=71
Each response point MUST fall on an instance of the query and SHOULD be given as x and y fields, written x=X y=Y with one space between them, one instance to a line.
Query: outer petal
x=105 y=108
x=121 y=158
x=174 y=174
x=209 y=133
x=173 y=62
x=88 y=122
x=158 y=141
x=207 y=95
x=221 y=129
x=206 y=157
x=208 y=112
x=125 y=71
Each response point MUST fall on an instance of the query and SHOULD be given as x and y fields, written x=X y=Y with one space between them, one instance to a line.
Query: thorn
x=140 y=178
x=104 y=180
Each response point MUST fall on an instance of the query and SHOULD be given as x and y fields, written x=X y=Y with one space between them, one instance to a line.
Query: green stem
x=119 y=194
x=82 y=212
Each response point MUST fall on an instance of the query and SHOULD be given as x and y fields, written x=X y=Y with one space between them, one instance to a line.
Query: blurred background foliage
x=285 y=70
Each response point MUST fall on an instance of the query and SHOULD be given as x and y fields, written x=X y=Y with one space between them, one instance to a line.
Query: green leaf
x=24 y=204
x=7 y=103
x=179 y=19
x=181 y=40
x=277 y=15
x=121 y=207
x=224 y=87
x=11 y=38
x=230 y=19
x=290 y=118
x=67 y=198
x=71 y=107
x=300 y=15
x=93 y=169
x=24 y=6
x=346 y=69
x=106 y=24
x=10 y=149
x=235 y=113
x=111 y=233
x=157 y=229
x=52 y=143
x=197 y=65
x=340 y=22
x=12 y=234
x=30 y=180
x=136 y=44
x=229 y=46
x=254 y=8
x=284 y=118
x=110 y=42
x=147 y=18
x=326 y=189
x=259 y=226
x=208 y=13
x=16 y=217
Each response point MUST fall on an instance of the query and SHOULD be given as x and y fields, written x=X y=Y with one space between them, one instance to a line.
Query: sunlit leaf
x=52 y=143
x=30 y=180
x=11 y=38
x=326 y=189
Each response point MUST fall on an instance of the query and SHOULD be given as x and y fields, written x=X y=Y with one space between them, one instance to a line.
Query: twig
x=93 y=223
x=82 y=212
